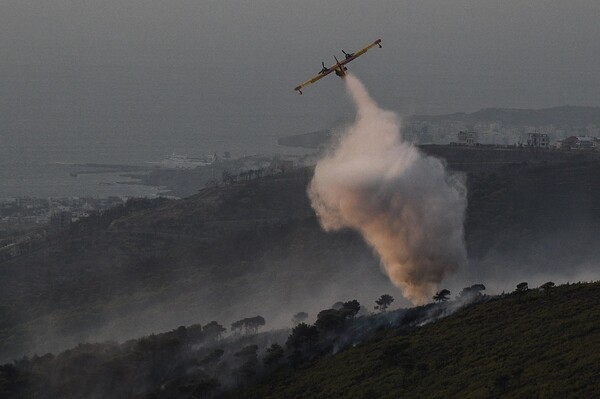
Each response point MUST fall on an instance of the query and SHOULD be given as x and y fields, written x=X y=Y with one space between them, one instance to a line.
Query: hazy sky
x=156 y=75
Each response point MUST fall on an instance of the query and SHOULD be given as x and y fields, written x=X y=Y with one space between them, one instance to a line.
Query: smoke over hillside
x=403 y=203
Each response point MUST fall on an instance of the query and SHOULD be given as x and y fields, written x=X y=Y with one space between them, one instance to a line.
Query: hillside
x=219 y=255
x=528 y=344
x=539 y=345
x=256 y=247
x=531 y=343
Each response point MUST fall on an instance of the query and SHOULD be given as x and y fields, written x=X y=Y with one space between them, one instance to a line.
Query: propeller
x=322 y=63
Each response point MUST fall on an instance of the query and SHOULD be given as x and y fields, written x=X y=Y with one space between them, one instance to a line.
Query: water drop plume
x=404 y=203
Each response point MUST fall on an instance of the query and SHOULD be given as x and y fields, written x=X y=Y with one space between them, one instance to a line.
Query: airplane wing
x=361 y=52
x=331 y=69
x=314 y=79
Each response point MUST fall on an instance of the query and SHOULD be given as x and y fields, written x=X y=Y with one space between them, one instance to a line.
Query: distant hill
x=559 y=116
x=536 y=345
x=571 y=118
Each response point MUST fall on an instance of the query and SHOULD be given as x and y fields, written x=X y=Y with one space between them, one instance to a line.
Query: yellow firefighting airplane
x=338 y=67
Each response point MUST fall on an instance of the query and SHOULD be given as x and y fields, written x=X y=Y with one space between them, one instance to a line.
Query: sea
x=30 y=168
x=57 y=180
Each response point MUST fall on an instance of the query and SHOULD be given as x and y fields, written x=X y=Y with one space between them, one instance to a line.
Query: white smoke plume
x=405 y=204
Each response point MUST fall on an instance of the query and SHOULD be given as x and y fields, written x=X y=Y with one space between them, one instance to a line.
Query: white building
x=467 y=138
x=538 y=140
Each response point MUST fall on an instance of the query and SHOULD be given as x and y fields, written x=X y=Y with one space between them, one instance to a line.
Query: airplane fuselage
x=340 y=70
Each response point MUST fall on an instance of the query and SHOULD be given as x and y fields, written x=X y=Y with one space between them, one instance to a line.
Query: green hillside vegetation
x=528 y=344
x=531 y=345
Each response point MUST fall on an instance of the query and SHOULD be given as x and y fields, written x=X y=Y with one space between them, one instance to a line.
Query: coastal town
x=465 y=143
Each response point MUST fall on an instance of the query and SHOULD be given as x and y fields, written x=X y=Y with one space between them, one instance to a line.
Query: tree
x=478 y=287
x=330 y=320
x=302 y=336
x=236 y=327
x=195 y=332
x=252 y=324
x=384 y=302
x=350 y=308
x=299 y=317
x=522 y=287
x=472 y=292
x=274 y=355
x=334 y=319
x=546 y=287
x=214 y=330
x=301 y=342
x=441 y=296
x=338 y=305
